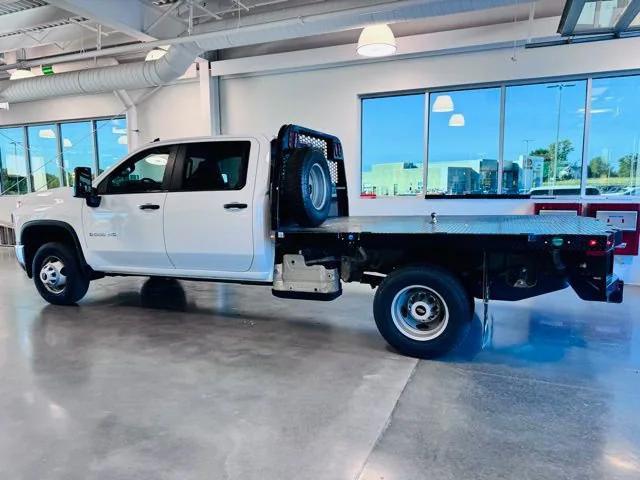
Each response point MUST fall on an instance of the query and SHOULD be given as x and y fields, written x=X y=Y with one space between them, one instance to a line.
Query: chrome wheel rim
x=420 y=313
x=52 y=275
x=317 y=186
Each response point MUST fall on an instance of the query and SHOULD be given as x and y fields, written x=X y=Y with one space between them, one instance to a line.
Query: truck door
x=125 y=233
x=208 y=214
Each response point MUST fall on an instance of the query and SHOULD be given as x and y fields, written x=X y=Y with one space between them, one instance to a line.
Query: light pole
x=526 y=142
x=560 y=87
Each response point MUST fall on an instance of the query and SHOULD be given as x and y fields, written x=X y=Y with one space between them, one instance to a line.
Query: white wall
x=328 y=99
x=172 y=112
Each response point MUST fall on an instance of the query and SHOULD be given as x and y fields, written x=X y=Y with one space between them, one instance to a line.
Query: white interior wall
x=328 y=99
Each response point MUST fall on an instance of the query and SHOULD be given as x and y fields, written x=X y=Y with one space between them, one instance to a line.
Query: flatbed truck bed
x=529 y=226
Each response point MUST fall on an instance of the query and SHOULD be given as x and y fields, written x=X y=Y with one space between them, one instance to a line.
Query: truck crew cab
x=250 y=210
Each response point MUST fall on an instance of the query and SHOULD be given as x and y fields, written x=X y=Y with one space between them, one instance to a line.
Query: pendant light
x=376 y=41
x=456 y=120
x=443 y=103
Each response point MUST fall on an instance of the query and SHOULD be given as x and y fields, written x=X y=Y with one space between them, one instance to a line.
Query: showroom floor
x=196 y=380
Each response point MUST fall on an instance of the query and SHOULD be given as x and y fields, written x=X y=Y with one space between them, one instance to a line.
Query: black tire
x=308 y=208
x=77 y=281
x=442 y=292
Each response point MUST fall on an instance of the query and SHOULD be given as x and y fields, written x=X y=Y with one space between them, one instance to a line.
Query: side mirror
x=82 y=187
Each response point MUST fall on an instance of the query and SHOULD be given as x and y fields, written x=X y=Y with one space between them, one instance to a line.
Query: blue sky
x=393 y=127
x=77 y=140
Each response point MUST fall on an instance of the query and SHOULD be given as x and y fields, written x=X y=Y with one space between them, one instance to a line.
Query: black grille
x=321 y=145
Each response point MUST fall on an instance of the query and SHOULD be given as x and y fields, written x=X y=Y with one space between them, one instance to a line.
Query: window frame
x=501 y=115
x=27 y=160
x=503 y=85
x=94 y=146
x=179 y=166
x=134 y=158
x=402 y=93
x=60 y=151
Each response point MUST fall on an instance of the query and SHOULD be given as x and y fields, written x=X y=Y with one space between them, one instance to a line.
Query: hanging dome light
x=157 y=53
x=456 y=120
x=20 y=73
x=376 y=41
x=443 y=103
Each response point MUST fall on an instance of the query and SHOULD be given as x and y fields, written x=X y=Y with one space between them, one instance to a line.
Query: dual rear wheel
x=422 y=311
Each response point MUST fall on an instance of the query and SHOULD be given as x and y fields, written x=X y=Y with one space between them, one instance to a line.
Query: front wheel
x=58 y=275
x=422 y=311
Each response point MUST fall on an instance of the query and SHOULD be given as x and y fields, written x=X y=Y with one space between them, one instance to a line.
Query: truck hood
x=54 y=204
x=46 y=198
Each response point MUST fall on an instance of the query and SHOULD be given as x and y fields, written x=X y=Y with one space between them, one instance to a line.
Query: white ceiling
x=42 y=28
x=492 y=16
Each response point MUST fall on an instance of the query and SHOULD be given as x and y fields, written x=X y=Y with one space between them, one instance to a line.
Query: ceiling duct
x=106 y=79
x=184 y=50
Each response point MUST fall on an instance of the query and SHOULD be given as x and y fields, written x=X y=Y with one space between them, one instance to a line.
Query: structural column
x=209 y=99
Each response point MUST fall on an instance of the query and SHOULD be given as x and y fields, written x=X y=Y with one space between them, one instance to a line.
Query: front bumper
x=20 y=256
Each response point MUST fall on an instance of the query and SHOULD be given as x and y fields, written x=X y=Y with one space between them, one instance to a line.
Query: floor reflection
x=163 y=293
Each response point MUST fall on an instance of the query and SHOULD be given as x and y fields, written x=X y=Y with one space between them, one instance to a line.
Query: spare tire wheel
x=307 y=187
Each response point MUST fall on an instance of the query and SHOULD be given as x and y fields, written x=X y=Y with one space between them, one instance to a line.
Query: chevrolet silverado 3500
x=275 y=212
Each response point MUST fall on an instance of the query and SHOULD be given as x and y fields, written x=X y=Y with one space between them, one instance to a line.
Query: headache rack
x=291 y=137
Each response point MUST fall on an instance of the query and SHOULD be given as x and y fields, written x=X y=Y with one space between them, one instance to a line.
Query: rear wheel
x=422 y=311
x=58 y=275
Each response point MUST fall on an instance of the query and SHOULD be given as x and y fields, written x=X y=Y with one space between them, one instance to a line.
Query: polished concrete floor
x=201 y=381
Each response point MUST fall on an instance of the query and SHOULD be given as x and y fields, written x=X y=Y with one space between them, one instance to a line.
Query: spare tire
x=306 y=195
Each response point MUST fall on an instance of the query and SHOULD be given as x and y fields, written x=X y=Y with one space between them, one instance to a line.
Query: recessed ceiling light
x=21 y=73
x=376 y=41
x=157 y=53
x=66 y=143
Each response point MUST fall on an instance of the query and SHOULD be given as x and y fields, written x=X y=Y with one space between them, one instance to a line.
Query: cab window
x=143 y=173
x=215 y=166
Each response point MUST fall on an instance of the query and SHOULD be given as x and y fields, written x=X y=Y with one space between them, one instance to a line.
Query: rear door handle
x=235 y=206
x=149 y=206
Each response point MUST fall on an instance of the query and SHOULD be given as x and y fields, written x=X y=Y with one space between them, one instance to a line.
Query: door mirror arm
x=93 y=200
x=83 y=187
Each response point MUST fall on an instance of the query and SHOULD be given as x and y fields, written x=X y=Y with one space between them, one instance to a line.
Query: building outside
x=400 y=178
x=461 y=180
x=488 y=176
x=478 y=176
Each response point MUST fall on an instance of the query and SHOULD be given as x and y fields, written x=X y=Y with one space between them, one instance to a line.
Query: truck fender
x=44 y=231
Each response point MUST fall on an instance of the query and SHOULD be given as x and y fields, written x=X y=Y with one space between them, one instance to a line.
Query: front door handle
x=235 y=206
x=149 y=206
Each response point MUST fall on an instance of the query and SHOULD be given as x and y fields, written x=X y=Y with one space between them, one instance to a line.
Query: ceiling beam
x=28 y=18
x=58 y=41
x=131 y=17
x=57 y=37
x=570 y=16
x=632 y=10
